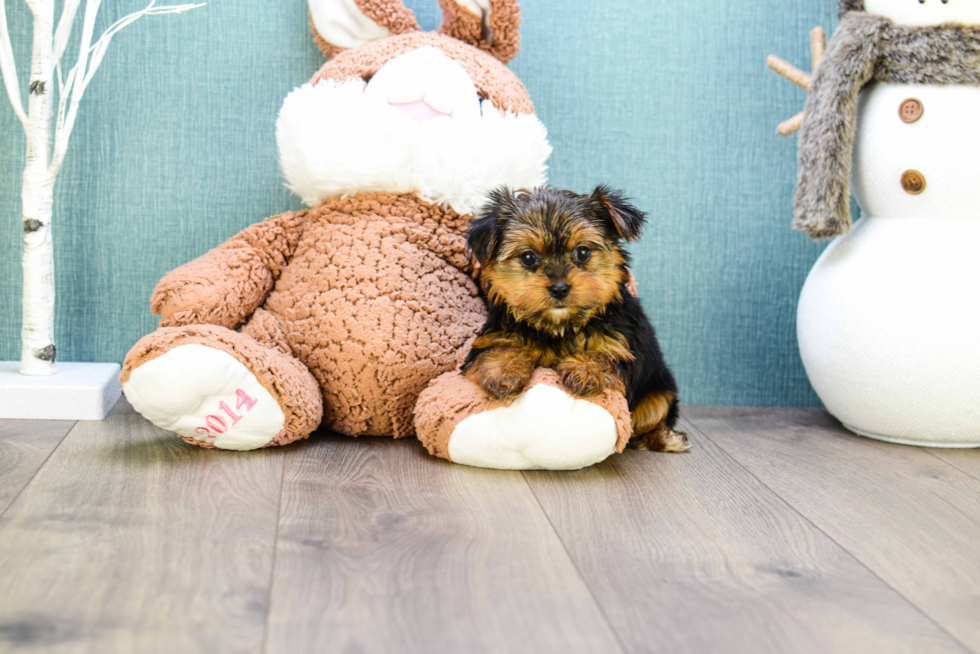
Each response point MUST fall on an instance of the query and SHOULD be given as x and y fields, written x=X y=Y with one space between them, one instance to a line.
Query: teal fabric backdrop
x=174 y=152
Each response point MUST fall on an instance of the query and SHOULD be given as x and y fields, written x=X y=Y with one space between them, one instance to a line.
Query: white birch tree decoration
x=47 y=145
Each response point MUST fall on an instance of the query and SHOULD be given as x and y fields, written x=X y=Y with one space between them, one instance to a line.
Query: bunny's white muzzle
x=418 y=126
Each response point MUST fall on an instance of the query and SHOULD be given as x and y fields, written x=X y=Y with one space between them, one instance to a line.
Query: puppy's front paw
x=588 y=376
x=505 y=386
x=502 y=373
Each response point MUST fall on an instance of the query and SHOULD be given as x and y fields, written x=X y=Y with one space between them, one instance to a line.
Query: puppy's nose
x=559 y=290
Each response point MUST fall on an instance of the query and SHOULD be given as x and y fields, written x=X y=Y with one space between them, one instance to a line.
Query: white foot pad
x=205 y=394
x=544 y=429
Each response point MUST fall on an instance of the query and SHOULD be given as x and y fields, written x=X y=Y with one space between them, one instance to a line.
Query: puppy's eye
x=582 y=254
x=529 y=259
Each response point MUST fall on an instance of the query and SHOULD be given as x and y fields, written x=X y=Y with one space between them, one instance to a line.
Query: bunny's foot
x=544 y=428
x=222 y=389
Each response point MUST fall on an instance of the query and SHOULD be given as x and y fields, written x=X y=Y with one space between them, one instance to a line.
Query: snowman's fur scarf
x=335 y=140
x=866 y=48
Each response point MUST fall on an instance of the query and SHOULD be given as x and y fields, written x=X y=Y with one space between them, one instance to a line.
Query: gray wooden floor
x=778 y=532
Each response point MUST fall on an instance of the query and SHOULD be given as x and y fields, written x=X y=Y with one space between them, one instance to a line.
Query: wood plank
x=383 y=548
x=129 y=540
x=690 y=553
x=911 y=518
x=967 y=461
x=24 y=447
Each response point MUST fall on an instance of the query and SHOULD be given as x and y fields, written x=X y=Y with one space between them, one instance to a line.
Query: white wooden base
x=77 y=391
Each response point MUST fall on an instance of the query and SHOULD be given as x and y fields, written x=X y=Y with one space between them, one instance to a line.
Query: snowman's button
x=910 y=110
x=913 y=182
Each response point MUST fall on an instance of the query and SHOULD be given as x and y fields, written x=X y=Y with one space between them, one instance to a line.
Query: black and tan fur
x=555 y=275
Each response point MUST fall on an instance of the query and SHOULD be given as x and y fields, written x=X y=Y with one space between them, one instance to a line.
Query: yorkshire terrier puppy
x=555 y=275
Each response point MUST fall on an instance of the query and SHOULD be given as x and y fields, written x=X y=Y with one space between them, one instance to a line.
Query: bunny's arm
x=226 y=285
x=823 y=191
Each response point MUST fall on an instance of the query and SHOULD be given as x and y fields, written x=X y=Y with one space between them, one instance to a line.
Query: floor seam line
x=571 y=559
x=275 y=554
x=969 y=477
x=39 y=468
x=853 y=556
x=949 y=463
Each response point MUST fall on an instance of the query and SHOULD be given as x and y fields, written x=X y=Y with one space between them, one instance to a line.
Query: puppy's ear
x=486 y=230
x=626 y=220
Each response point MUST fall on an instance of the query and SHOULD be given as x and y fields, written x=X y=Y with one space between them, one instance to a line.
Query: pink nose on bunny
x=419 y=111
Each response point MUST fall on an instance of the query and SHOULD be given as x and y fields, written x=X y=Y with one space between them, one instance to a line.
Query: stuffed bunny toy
x=340 y=315
x=347 y=309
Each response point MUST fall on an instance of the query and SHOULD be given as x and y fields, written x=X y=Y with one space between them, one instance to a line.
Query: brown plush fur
x=501 y=37
x=267 y=331
x=390 y=14
x=866 y=48
x=371 y=293
x=451 y=398
x=286 y=379
x=227 y=285
x=491 y=78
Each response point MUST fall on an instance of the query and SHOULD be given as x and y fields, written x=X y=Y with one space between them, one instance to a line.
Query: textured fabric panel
x=174 y=152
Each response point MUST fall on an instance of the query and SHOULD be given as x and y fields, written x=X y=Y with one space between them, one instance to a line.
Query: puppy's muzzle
x=559 y=290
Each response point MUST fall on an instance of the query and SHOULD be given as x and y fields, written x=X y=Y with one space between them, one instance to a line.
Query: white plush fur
x=931 y=12
x=544 y=429
x=480 y=8
x=429 y=75
x=342 y=23
x=340 y=138
x=179 y=390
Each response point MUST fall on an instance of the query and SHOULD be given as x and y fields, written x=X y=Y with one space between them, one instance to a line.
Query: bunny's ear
x=491 y=25
x=344 y=24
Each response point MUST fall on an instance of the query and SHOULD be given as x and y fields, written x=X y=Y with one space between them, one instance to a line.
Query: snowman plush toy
x=889 y=318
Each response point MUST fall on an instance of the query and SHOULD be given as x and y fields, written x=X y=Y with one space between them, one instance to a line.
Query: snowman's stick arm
x=789 y=71
x=823 y=192
x=818 y=46
x=790 y=126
